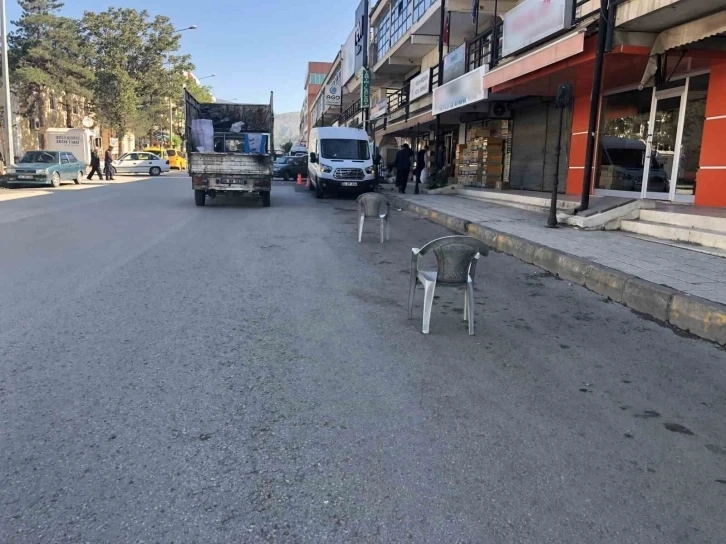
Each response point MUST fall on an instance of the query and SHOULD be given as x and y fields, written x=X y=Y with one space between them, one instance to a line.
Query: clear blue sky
x=254 y=46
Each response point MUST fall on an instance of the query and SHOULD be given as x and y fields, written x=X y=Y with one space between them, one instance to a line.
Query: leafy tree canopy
x=47 y=51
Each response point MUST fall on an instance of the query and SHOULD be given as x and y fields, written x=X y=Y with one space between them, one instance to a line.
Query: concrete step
x=687 y=220
x=526 y=202
x=689 y=235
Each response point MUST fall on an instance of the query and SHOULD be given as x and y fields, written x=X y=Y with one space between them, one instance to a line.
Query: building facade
x=490 y=106
x=314 y=78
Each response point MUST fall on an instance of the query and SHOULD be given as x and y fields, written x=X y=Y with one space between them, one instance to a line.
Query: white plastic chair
x=456 y=258
x=374 y=205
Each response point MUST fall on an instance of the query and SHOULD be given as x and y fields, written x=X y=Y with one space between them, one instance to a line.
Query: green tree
x=47 y=51
x=202 y=93
x=128 y=41
x=286 y=147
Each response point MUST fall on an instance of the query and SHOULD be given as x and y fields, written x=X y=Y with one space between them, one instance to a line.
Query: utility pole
x=171 y=125
x=439 y=144
x=10 y=157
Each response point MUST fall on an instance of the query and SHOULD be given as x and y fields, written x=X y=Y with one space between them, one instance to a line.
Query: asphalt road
x=240 y=374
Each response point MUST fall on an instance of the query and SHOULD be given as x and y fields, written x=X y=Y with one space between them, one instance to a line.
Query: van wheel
x=199 y=198
x=79 y=178
x=319 y=190
x=266 y=199
x=286 y=175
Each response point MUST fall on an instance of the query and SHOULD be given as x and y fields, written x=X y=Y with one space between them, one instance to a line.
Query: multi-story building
x=659 y=119
x=314 y=78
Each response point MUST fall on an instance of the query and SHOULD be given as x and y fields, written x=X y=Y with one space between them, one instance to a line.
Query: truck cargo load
x=229 y=148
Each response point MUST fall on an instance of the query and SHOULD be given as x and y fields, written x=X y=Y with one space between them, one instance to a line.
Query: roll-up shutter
x=534 y=141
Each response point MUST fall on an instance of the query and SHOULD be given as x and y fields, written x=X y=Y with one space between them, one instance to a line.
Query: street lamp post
x=171 y=113
x=10 y=158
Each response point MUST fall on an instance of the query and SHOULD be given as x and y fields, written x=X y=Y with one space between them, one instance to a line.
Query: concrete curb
x=703 y=318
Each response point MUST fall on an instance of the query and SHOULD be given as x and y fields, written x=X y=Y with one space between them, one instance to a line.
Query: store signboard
x=365 y=88
x=332 y=96
x=347 y=70
x=419 y=85
x=455 y=63
x=361 y=33
x=532 y=21
x=465 y=90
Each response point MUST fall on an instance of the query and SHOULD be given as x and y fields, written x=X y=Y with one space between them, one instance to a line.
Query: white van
x=340 y=159
x=298 y=150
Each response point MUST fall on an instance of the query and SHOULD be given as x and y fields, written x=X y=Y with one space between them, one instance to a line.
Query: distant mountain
x=287 y=128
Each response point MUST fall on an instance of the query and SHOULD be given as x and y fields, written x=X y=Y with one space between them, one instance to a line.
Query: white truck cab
x=340 y=159
x=79 y=141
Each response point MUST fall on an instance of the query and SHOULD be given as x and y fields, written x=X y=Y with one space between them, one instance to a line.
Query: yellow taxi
x=177 y=159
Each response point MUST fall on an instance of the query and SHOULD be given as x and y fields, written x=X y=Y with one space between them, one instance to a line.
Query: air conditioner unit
x=499 y=110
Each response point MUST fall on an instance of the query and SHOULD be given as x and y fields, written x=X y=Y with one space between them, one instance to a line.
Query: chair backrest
x=373 y=204
x=455 y=256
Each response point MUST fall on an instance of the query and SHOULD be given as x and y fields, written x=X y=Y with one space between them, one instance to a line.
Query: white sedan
x=141 y=162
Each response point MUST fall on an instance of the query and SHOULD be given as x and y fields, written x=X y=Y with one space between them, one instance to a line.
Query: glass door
x=663 y=143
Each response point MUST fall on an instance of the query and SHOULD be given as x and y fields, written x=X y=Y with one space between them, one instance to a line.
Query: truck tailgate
x=230 y=164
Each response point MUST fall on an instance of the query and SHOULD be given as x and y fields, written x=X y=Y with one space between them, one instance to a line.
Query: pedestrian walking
x=107 y=166
x=95 y=164
x=404 y=157
x=420 y=165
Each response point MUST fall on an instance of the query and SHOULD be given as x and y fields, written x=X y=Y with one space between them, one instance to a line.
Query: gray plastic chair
x=456 y=258
x=373 y=205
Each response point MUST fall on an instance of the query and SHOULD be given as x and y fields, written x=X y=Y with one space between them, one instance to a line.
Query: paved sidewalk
x=685 y=271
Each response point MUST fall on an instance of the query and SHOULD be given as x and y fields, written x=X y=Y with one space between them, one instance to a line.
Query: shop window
x=692 y=135
x=622 y=140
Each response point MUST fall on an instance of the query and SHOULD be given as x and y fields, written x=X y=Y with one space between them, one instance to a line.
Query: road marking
x=15 y=194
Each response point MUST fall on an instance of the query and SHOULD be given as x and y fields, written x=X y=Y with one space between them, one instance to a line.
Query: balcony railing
x=349 y=113
x=479 y=50
x=398 y=100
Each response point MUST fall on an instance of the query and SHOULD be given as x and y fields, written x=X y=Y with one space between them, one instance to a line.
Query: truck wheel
x=266 y=199
x=319 y=190
x=199 y=198
x=79 y=178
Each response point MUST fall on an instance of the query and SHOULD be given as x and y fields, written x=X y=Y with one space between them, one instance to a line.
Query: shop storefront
x=650 y=140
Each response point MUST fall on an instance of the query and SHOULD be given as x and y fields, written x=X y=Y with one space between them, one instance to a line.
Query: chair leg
x=428 y=304
x=411 y=295
x=361 y=219
x=470 y=297
x=466 y=304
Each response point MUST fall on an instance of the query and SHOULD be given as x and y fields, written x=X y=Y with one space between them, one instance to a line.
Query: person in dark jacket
x=95 y=165
x=420 y=165
x=404 y=157
x=108 y=159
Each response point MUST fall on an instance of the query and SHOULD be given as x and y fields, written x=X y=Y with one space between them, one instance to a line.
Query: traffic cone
x=299 y=185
